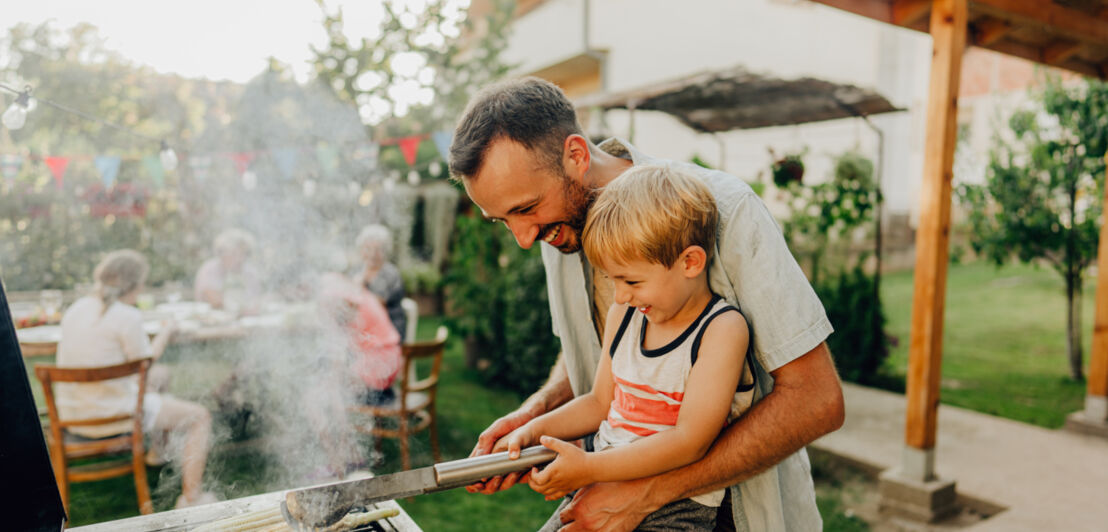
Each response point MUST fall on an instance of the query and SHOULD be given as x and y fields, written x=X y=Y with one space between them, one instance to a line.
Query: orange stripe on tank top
x=642 y=410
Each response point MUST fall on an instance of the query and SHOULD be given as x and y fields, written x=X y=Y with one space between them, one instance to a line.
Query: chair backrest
x=413 y=351
x=411 y=312
x=49 y=374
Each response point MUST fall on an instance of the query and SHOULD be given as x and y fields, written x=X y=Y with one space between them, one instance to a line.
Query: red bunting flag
x=57 y=167
x=242 y=161
x=409 y=146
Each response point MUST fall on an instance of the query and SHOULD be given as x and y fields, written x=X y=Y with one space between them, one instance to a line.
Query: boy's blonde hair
x=650 y=213
x=118 y=274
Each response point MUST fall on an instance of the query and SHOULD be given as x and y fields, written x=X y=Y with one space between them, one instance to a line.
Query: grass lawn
x=1004 y=345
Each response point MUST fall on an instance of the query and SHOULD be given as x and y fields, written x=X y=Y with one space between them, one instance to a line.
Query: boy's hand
x=568 y=472
x=518 y=439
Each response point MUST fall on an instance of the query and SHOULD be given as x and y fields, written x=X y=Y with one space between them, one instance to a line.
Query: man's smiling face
x=533 y=200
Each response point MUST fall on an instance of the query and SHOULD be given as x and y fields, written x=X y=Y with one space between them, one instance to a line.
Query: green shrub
x=498 y=303
x=859 y=344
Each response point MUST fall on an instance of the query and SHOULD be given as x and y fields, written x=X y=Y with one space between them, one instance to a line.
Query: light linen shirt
x=91 y=338
x=753 y=270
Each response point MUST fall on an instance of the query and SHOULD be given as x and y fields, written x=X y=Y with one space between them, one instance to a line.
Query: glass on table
x=51 y=302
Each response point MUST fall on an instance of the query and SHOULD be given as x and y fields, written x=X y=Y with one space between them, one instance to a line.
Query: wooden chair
x=414 y=407
x=65 y=446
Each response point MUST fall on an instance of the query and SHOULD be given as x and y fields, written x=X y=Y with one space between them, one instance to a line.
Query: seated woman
x=106 y=329
x=380 y=276
x=369 y=338
x=227 y=281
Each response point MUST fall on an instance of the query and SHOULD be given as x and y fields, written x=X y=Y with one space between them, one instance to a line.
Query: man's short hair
x=530 y=111
x=652 y=213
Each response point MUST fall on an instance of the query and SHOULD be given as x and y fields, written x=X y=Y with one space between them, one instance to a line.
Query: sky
x=214 y=39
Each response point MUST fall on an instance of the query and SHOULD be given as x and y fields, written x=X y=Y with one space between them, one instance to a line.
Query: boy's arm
x=704 y=408
x=583 y=414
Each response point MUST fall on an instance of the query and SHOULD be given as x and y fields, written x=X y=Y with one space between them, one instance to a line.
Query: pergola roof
x=711 y=102
x=1069 y=34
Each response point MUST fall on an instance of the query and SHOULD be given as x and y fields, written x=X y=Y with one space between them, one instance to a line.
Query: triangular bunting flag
x=409 y=146
x=10 y=165
x=201 y=166
x=285 y=158
x=153 y=165
x=57 y=168
x=108 y=166
x=442 y=142
x=242 y=161
x=328 y=158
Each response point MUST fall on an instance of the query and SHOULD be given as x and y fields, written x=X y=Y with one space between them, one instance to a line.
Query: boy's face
x=661 y=293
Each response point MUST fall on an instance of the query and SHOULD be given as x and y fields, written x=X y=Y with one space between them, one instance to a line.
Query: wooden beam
x=1059 y=51
x=907 y=12
x=1097 y=384
x=875 y=9
x=989 y=31
x=1062 y=21
x=1031 y=53
x=948 y=31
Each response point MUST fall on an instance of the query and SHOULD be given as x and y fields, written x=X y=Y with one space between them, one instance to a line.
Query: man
x=524 y=160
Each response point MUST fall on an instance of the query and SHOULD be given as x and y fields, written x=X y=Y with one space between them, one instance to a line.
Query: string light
x=16 y=116
x=168 y=157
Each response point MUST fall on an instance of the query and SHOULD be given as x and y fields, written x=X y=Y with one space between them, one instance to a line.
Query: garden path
x=1047 y=479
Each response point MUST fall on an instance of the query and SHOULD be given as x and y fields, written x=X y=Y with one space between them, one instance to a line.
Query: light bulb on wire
x=168 y=157
x=16 y=115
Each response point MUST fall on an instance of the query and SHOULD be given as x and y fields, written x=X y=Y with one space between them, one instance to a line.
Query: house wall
x=641 y=42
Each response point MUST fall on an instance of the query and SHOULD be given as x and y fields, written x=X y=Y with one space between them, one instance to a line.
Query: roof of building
x=716 y=101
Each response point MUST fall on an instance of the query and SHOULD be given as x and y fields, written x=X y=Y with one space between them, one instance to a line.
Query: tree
x=1041 y=200
x=436 y=53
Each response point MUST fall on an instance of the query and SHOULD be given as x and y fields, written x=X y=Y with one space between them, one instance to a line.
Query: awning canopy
x=711 y=102
x=1069 y=34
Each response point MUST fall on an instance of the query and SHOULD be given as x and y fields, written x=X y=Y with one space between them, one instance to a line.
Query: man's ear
x=693 y=261
x=577 y=156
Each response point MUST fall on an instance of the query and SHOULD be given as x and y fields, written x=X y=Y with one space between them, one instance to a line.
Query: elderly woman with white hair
x=380 y=276
x=105 y=329
x=226 y=281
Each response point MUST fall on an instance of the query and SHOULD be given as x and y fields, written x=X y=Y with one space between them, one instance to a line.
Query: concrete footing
x=1080 y=423
x=924 y=501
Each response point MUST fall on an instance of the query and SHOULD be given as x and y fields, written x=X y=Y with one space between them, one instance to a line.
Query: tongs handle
x=468 y=470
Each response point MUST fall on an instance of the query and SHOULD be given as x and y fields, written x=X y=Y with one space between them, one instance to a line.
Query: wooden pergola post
x=1094 y=419
x=913 y=489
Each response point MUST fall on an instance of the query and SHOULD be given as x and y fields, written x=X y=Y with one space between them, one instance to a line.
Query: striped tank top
x=650 y=383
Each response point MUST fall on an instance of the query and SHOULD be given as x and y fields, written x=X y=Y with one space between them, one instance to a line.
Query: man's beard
x=578 y=201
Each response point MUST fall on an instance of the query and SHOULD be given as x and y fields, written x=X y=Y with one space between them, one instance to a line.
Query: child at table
x=106 y=329
x=675 y=371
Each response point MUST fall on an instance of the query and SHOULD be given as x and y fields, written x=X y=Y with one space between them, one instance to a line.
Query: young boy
x=675 y=373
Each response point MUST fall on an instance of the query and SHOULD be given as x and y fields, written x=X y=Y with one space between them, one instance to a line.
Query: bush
x=498 y=303
x=859 y=344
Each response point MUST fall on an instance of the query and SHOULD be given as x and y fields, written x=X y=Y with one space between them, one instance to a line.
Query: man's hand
x=609 y=506
x=492 y=440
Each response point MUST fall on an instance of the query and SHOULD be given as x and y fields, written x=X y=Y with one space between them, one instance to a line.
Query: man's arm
x=806 y=403
x=554 y=393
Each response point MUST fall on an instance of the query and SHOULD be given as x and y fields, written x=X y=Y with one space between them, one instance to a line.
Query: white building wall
x=648 y=41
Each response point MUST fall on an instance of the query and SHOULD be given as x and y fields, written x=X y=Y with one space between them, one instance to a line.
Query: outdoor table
x=190 y=518
x=196 y=322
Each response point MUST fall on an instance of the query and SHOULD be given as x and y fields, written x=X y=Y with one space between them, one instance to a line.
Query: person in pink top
x=372 y=341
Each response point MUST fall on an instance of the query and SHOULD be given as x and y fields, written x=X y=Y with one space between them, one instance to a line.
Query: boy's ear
x=693 y=261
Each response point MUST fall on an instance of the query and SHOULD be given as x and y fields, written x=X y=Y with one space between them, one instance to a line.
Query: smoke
x=279 y=399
